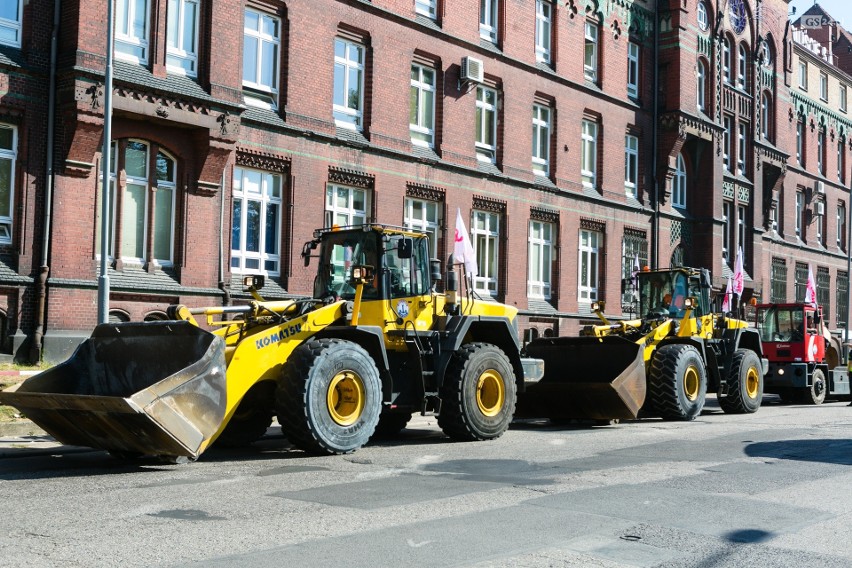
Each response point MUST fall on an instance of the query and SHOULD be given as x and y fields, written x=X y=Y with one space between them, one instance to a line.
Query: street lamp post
x=103 y=279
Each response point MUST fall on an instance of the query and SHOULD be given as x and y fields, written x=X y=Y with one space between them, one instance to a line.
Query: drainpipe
x=226 y=293
x=655 y=225
x=41 y=285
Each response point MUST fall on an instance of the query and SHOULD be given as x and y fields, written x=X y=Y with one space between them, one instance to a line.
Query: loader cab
x=401 y=262
x=663 y=293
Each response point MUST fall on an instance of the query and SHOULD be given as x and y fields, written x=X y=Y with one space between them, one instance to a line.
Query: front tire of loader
x=814 y=394
x=478 y=394
x=677 y=383
x=745 y=384
x=250 y=420
x=329 y=397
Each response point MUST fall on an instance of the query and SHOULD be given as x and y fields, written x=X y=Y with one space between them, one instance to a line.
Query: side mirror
x=306 y=251
x=362 y=274
x=405 y=248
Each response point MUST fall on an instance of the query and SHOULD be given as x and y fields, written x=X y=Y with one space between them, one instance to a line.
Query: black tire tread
x=734 y=402
x=662 y=383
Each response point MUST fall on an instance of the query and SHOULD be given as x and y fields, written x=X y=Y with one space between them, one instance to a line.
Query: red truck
x=806 y=363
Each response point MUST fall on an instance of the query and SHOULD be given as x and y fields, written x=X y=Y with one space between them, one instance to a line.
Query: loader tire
x=251 y=419
x=677 y=383
x=814 y=394
x=391 y=423
x=329 y=397
x=478 y=394
x=745 y=384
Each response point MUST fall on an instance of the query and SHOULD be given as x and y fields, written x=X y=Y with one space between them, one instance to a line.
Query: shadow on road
x=825 y=451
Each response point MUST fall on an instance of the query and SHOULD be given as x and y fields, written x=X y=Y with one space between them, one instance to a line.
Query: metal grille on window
x=778 y=277
x=801 y=281
x=634 y=251
x=823 y=290
x=842 y=283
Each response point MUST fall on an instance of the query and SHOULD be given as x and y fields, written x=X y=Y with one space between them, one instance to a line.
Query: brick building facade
x=576 y=138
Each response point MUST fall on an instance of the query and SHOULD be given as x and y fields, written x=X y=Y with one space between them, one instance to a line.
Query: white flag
x=810 y=289
x=726 y=303
x=463 y=249
x=739 y=273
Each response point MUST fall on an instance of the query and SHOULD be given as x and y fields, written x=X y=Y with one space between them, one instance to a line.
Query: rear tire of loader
x=745 y=384
x=478 y=394
x=329 y=397
x=677 y=383
x=814 y=394
x=251 y=419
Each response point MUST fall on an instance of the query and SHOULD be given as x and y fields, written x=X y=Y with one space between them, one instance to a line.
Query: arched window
x=726 y=60
x=118 y=316
x=678 y=257
x=701 y=15
x=742 y=66
x=766 y=117
x=143 y=211
x=679 y=183
x=701 y=85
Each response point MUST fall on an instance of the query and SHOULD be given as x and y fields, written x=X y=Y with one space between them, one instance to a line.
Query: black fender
x=371 y=338
x=495 y=330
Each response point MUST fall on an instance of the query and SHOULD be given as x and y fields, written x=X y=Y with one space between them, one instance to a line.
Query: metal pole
x=848 y=265
x=103 y=280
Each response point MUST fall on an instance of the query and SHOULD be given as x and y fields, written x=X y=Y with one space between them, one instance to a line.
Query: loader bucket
x=585 y=378
x=153 y=388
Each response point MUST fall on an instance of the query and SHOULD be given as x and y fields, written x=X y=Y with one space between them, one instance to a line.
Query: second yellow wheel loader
x=663 y=363
x=374 y=344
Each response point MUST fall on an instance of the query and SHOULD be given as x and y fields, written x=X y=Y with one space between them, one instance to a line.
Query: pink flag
x=810 y=289
x=739 y=274
x=726 y=303
x=463 y=249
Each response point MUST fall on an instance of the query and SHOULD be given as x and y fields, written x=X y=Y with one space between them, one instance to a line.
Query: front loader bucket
x=153 y=388
x=585 y=378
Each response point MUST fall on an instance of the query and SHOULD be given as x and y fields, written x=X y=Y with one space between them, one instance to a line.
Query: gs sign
x=815 y=22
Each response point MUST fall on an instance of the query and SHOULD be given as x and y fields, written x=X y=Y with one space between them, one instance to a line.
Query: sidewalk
x=20 y=437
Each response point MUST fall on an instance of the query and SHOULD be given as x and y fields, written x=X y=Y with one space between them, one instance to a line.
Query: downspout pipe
x=655 y=117
x=226 y=292
x=44 y=270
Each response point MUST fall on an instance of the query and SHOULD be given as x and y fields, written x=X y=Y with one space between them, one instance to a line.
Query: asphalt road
x=765 y=490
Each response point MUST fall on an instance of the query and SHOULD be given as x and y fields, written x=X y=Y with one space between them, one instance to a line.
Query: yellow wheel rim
x=490 y=394
x=691 y=383
x=752 y=382
x=346 y=398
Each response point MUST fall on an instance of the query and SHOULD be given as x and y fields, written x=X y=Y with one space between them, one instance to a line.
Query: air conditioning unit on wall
x=819 y=209
x=819 y=189
x=472 y=69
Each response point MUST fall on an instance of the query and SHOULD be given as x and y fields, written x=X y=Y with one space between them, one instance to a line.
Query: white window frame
x=741 y=232
x=541 y=140
x=485 y=234
x=819 y=221
x=11 y=155
x=701 y=17
x=633 y=52
x=347 y=213
x=539 y=272
x=842 y=104
x=344 y=115
x=800 y=142
x=428 y=8
x=800 y=210
x=840 y=233
x=164 y=187
x=588 y=265
x=181 y=58
x=821 y=151
x=726 y=60
x=727 y=206
x=742 y=148
x=589 y=153
x=823 y=86
x=10 y=29
x=803 y=75
x=727 y=141
x=129 y=44
x=701 y=85
x=590 y=55
x=679 y=180
x=260 y=94
x=268 y=263
x=144 y=184
x=742 y=66
x=424 y=215
x=841 y=159
x=765 y=116
x=631 y=165
x=543 y=30
x=421 y=134
x=488 y=20
x=486 y=114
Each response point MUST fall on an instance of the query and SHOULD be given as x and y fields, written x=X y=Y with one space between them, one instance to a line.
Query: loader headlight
x=598 y=306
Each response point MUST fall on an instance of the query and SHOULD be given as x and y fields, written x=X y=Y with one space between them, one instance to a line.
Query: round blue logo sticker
x=402 y=308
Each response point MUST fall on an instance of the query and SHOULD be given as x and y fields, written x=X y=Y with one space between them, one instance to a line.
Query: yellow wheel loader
x=663 y=363
x=374 y=344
